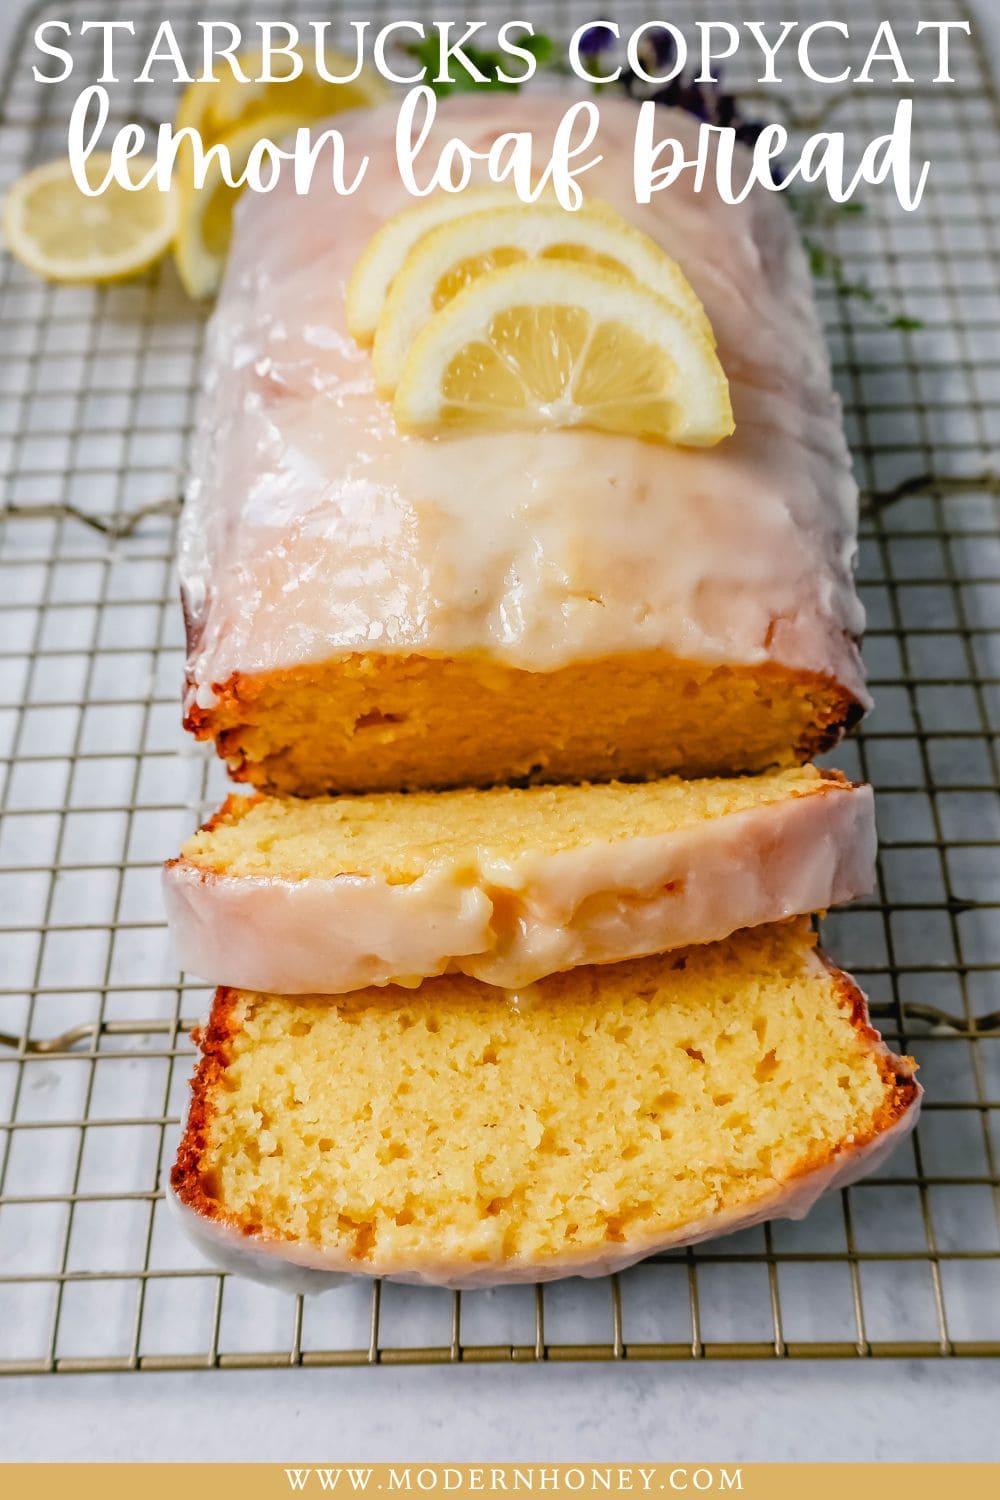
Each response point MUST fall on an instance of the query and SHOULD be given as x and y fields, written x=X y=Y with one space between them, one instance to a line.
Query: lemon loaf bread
x=449 y=1135
x=506 y=884
x=369 y=610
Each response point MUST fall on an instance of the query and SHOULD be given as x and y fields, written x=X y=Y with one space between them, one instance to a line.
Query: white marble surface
x=741 y=1412
x=555 y=1413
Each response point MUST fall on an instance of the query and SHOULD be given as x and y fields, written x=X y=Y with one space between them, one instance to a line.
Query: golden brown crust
x=832 y=780
x=898 y=1073
x=844 y=713
x=234 y=808
x=187 y=1176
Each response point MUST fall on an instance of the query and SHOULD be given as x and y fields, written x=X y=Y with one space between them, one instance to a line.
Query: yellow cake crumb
x=370 y=722
x=399 y=835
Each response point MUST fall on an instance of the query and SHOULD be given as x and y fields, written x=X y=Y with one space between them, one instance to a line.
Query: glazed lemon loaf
x=452 y=1135
x=368 y=610
x=506 y=884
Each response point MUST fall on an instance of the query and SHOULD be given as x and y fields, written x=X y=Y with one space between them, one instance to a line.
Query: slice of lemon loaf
x=506 y=884
x=451 y=1135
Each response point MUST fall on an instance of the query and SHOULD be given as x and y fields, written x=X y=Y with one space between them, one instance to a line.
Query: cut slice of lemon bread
x=453 y=1135
x=506 y=884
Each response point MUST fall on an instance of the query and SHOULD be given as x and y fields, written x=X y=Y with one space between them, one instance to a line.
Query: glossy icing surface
x=313 y=529
x=511 y=923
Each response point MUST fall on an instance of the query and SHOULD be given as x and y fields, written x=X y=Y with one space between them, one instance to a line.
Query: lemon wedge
x=546 y=344
x=61 y=234
x=214 y=108
x=445 y=259
x=391 y=244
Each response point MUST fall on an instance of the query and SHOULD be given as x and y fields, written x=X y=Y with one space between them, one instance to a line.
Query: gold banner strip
x=673 y=1481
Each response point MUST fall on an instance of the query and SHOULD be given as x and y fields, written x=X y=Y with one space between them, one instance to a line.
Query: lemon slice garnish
x=216 y=108
x=61 y=234
x=205 y=214
x=391 y=244
x=546 y=344
x=446 y=258
x=238 y=115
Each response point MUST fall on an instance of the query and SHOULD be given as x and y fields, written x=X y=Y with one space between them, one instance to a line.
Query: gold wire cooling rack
x=98 y=785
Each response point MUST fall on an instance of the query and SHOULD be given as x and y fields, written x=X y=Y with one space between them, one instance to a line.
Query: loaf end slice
x=455 y=1136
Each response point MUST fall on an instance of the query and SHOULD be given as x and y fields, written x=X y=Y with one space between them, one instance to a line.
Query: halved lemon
x=391 y=244
x=216 y=107
x=61 y=234
x=447 y=258
x=546 y=344
x=205 y=216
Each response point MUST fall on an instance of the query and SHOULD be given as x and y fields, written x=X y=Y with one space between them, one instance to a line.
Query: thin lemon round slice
x=64 y=235
x=447 y=258
x=216 y=107
x=205 y=214
x=391 y=244
x=237 y=115
x=547 y=344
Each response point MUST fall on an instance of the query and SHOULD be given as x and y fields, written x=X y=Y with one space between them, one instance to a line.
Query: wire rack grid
x=99 y=785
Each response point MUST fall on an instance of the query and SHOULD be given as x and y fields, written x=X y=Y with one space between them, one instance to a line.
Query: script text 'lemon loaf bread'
x=368 y=610
x=508 y=884
x=447 y=1135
